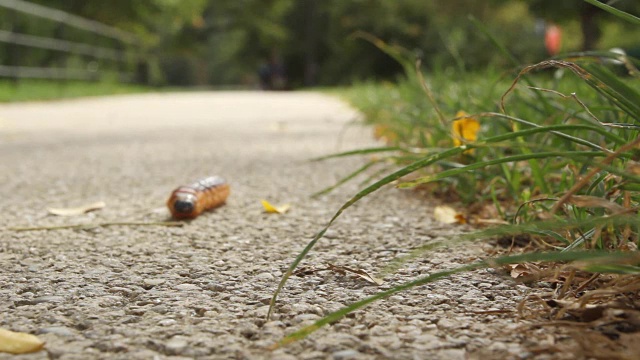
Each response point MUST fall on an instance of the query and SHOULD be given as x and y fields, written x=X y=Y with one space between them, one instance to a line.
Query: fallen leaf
x=448 y=215
x=271 y=209
x=465 y=129
x=77 y=210
x=523 y=270
x=19 y=343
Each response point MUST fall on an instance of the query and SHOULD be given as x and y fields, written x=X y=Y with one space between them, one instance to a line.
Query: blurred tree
x=588 y=15
x=200 y=42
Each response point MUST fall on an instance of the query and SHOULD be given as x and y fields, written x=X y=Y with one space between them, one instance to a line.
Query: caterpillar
x=187 y=202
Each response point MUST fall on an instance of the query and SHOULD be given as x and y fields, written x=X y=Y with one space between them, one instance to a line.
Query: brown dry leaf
x=77 y=210
x=519 y=271
x=594 y=202
x=19 y=343
x=448 y=215
x=273 y=209
x=360 y=273
x=461 y=219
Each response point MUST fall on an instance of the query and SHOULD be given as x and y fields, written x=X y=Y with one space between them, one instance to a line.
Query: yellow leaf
x=464 y=129
x=271 y=209
x=19 y=343
x=76 y=210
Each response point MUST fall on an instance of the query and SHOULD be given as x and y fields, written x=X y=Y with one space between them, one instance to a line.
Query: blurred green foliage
x=207 y=42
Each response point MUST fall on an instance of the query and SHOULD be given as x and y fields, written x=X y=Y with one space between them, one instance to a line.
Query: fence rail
x=15 y=64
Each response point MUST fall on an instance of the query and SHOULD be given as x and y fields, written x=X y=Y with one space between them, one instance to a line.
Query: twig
x=430 y=96
x=94 y=225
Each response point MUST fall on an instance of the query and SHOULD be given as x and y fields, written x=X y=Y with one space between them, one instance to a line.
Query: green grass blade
x=537 y=227
x=577 y=140
x=613 y=269
x=596 y=260
x=384 y=181
x=521 y=157
x=619 y=13
x=596 y=76
x=554 y=129
x=345 y=179
x=367 y=151
x=609 y=85
x=579 y=241
x=337 y=315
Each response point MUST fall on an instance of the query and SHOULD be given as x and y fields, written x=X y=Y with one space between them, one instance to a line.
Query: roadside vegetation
x=31 y=90
x=545 y=160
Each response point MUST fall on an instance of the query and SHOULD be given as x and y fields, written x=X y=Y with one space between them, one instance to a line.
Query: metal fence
x=63 y=46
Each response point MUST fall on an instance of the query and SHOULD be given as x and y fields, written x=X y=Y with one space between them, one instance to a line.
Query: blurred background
x=287 y=44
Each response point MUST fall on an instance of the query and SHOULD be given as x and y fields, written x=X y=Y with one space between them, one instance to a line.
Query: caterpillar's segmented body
x=187 y=202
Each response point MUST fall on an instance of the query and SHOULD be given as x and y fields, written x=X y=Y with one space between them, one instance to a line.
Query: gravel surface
x=202 y=290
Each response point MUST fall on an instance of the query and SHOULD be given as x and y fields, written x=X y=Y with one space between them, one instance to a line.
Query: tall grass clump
x=553 y=147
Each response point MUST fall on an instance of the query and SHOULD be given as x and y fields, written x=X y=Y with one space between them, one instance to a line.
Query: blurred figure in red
x=552 y=39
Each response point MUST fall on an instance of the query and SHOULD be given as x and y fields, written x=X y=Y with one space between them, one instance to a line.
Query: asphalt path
x=202 y=290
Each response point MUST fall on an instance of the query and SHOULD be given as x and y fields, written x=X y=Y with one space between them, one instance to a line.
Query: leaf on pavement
x=448 y=215
x=272 y=209
x=19 y=343
x=77 y=210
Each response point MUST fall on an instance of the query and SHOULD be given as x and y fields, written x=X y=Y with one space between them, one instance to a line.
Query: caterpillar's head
x=183 y=205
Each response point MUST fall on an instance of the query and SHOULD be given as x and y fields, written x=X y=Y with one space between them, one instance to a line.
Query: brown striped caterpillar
x=187 y=202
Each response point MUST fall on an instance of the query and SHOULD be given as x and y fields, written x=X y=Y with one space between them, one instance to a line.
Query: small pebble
x=498 y=346
x=345 y=354
x=57 y=330
x=265 y=276
x=167 y=322
x=427 y=342
x=176 y=345
x=215 y=287
x=453 y=354
x=331 y=234
x=187 y=287
x=34 y=268
x=154 y=282
x=47 y=299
